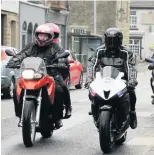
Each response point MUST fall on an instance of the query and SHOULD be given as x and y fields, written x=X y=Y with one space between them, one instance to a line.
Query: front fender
x=106 y=108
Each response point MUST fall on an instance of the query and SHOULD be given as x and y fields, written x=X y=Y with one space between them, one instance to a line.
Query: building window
x=2 y=28
x=29 y=33
x=24 y=26
x=35 y=26
x=62 y=36
x=58 y=4
x=134 y=45
x=150 y=28
x=76 y=40
x=24 y=34
x=133 y=19
x=23 y=41
x=13 y=33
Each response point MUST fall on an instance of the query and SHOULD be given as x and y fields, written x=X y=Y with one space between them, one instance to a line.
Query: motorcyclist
x=113 y=53
x=44 y=47
x=151 y=67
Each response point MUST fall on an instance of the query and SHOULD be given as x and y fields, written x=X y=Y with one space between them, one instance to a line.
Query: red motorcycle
x=35 y=92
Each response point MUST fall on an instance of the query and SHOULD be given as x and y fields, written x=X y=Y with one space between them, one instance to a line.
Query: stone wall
x=123 y=19
x=82 y=15
x=9 y=16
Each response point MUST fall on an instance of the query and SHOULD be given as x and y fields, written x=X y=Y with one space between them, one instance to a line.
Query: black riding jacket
x=49 y=52
x=122 y=59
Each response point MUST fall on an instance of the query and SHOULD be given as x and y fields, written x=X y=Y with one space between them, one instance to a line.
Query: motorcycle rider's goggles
x=30 y=74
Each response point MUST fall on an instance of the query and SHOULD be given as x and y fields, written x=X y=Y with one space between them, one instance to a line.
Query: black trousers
x=151 y=80
x=133 y=99
x=62 y=97
x=67 y=99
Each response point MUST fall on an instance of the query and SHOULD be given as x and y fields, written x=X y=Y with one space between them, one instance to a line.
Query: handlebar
x=14 y=67
x=148 y=60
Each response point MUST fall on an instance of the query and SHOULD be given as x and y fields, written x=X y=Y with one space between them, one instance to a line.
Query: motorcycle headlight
x=30 y=74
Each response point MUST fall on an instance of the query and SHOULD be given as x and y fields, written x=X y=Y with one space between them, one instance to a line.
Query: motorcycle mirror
x=9 y=52
x=92 y=49
x=148 y=60
x=151 y=67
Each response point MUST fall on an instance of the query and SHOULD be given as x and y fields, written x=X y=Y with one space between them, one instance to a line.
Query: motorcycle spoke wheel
x=29 y=125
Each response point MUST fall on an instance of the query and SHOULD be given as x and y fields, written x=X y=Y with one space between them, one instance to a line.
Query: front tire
x=29 y=126
x=105 y=131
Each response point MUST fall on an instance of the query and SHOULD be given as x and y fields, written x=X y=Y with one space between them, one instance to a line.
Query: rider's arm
x=94 y=61
x=58 y=50
x=132 y=72
x=25 y=52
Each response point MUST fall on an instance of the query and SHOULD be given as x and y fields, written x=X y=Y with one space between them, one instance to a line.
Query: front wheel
x=105 y=131
x=29 y=126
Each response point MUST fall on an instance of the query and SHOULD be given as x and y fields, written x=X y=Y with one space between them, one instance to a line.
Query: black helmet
x=113 y=38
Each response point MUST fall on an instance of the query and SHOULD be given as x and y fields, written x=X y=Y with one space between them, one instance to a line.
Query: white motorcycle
x=110 y=106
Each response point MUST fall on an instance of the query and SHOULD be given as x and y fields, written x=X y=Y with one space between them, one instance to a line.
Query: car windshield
x=109 y=72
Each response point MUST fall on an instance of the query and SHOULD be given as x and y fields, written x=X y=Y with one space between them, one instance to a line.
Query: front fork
x=38 y=107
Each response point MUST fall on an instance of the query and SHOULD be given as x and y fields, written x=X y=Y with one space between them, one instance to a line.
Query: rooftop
x=142 y=4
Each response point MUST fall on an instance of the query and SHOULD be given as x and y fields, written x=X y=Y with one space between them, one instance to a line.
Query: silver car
x=8 y=76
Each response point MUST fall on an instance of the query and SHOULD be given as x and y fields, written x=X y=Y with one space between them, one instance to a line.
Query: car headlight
x=30 y=74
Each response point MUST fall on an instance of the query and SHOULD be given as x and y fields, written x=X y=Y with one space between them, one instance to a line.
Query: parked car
x=8 y=76
x=76 y=72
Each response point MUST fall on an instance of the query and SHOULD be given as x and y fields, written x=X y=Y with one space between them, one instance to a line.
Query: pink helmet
x=56 y=31
x=44 y=29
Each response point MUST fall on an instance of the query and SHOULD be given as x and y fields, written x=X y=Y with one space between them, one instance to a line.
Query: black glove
x=13 y=63
x=132 y=83
x=87 y=84
x=151 y=67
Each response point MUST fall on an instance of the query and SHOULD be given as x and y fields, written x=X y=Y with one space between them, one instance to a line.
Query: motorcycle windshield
x=35 y=63
x=109 y=72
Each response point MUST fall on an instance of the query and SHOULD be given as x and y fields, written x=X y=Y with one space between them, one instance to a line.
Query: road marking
x=142 y=141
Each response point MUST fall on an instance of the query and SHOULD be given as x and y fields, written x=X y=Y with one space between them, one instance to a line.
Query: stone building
x=89 y=19
x=142 y=28
x=9 y=24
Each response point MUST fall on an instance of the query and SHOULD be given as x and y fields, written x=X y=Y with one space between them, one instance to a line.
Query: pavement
x=79 y=136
